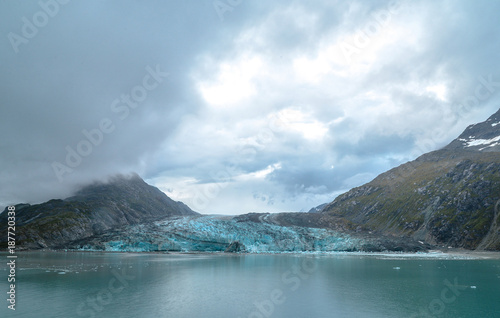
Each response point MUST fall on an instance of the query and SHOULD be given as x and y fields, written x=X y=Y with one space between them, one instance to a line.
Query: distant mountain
x=448 y=197
x=93 y=210
x=318 y=208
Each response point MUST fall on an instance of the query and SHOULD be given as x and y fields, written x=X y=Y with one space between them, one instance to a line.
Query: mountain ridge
x=447 y=197
x=94 y=209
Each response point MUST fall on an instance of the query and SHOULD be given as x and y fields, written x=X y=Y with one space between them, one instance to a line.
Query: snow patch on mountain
x=479 y=142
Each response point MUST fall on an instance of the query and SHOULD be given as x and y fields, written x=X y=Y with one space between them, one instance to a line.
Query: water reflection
x=112 y=285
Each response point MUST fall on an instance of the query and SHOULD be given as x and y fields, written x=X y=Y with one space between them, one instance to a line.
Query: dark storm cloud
x=64 y=79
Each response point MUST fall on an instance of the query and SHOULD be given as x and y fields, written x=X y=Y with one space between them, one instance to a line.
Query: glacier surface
x=217 y=233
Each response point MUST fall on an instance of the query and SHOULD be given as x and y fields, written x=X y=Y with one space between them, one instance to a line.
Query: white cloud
x=295 y=120
x=232 y=84
x=258 y=175
x=439 y=90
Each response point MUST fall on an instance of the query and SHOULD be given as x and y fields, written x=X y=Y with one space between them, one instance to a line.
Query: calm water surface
x=72 y=284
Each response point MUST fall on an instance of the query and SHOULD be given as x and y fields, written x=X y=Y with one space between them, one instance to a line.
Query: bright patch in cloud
x=261 y=174
x=296 y=120
x=439 y=90
x=177 y=188
x=233 y=83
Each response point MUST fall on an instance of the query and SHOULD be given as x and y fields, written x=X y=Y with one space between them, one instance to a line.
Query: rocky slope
x=95 y=209
x=448 y=197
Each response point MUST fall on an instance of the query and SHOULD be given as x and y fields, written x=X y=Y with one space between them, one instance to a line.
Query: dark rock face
x=235 y=247
x=125 y=201
x=446 y=197
x=93 y=210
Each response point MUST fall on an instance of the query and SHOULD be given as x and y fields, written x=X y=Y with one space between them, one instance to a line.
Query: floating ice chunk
x=473 y=287
x=396 y=268
x=62 y=273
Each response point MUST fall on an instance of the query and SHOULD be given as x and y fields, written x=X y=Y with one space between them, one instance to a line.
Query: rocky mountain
x=448 y=197
x=95 y=209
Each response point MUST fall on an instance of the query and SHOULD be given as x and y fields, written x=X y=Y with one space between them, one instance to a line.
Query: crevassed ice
x=212 y=234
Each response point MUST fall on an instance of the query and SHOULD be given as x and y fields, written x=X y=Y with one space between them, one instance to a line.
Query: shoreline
x=458 y=254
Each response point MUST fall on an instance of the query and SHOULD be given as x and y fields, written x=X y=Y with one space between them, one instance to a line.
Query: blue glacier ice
x=216 y=233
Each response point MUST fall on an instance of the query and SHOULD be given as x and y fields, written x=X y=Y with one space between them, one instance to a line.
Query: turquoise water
x=74 y=284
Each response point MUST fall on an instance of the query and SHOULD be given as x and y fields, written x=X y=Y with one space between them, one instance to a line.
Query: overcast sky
x=236 y=106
